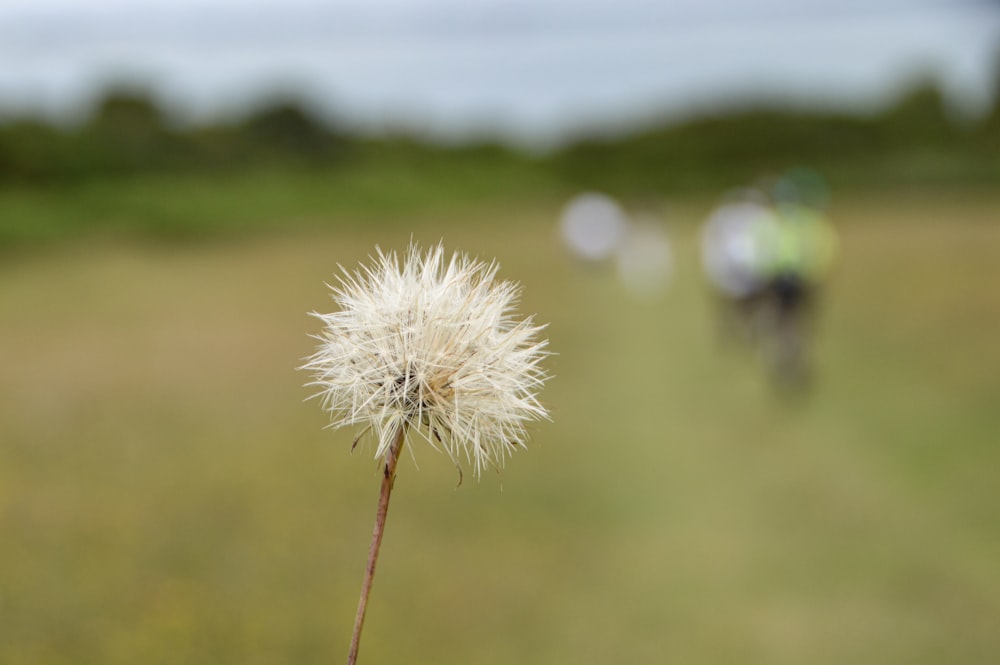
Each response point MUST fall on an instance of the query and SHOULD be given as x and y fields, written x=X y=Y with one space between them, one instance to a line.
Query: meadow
x=167 y=495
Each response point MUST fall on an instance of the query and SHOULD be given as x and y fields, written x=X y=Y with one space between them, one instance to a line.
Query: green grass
x=187 y=206
x=167 y=497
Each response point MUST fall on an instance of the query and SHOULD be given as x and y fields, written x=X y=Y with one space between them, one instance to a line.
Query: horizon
x=534 y=75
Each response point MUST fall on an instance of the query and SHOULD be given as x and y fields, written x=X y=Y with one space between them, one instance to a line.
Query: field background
x=166 y=496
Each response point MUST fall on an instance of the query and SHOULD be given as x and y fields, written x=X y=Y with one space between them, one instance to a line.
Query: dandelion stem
x=389 y=475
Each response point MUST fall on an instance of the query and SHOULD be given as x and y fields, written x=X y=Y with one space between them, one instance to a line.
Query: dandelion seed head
x=431 y=346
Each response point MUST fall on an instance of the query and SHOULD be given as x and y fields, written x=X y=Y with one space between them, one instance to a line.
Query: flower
x=431 y=347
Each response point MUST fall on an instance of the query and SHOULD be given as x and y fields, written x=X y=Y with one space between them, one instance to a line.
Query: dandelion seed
x=434 y=348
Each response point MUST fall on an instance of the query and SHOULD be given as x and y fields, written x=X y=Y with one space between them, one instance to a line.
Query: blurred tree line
x=914 y=142
x=129 y=133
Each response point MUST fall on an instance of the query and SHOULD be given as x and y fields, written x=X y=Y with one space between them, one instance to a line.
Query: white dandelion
x=430 y=347
x=434 y=348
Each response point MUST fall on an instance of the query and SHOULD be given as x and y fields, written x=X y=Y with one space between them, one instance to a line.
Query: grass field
x=167 y=497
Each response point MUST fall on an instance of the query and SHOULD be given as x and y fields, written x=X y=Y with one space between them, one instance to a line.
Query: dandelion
x=433 y=348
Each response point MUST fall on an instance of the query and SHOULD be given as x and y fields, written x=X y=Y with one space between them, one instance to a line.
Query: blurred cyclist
x=735 y=244
x=802 y=244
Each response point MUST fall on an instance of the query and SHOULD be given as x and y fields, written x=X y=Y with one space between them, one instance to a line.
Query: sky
x=534 y=72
